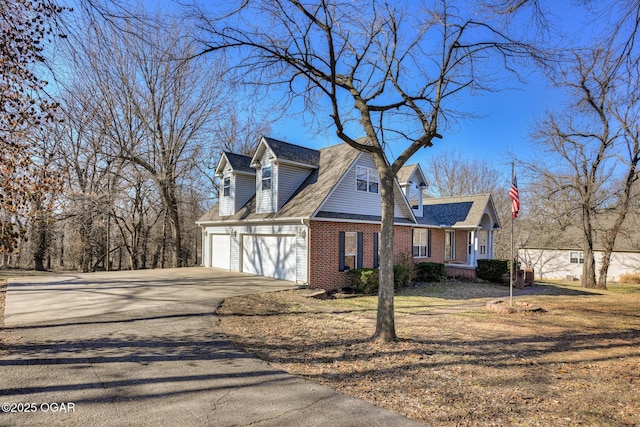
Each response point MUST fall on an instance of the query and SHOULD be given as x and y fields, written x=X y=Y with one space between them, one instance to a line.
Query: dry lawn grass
x=458 y=364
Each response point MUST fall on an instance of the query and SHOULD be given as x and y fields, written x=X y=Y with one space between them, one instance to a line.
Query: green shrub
x=400 y=276
x=367 y=280
x=492 y=269
x=429 y=272
x=364 y=280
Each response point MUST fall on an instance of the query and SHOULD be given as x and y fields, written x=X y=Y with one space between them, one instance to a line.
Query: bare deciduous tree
x=379 y=70
x=156 y=109
x=585 y=146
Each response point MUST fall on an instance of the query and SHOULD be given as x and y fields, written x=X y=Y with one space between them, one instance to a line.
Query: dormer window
x=367 y=180
x=266 y=178
x=226 y=186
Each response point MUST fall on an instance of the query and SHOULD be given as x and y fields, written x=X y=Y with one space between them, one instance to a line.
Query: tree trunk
x=589 y=266
x=171 y=202
x=3 y=299
x=385 y=323
x=39 y=243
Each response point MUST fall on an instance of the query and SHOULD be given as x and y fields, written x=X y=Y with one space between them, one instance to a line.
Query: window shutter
x=360 y=245
x=429 y=242
x=341 y=251
x=376 y=261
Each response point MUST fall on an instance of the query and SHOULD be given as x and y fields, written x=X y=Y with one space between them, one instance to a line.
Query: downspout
x=307 y=224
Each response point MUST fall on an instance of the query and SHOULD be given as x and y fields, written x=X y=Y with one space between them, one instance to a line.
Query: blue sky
x=506 y=117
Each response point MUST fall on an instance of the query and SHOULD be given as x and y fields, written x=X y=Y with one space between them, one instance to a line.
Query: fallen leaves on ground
x=577 y=364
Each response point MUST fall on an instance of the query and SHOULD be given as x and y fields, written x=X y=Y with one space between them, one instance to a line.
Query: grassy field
x=457 y=363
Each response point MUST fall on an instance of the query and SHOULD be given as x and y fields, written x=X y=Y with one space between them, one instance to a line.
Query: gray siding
x=245 y=188
x=289 y=180
x=226 y=204
x=301 y=257
x=206 y=257
x=266 y=200
x=346 y=199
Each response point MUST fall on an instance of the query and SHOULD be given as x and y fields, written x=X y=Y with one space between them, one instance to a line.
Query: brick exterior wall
x=324 y=263
x=437 y=247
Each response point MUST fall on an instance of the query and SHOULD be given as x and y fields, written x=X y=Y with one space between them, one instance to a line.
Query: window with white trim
x=367 y=180
x=266 y=178
x=421 y=242
x=483 y=239
x=350 y=250
x=576 y=257
x=449 y=245
x=226 y=186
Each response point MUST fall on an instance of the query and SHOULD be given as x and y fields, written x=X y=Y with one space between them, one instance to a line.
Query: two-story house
x=307 y=215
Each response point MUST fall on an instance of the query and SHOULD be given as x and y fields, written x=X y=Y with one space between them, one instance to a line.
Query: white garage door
x=271 y=256
x=221 y=251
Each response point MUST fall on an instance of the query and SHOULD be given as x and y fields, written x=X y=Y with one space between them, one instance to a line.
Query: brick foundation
x=459 y=272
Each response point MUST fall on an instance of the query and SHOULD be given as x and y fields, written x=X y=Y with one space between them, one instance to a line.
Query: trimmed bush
x=493 y=269
x=400 y=276
x=364 y=280
x=429 y=272
x=367 y=280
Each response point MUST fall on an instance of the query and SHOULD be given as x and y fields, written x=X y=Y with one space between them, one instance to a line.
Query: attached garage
x=220 y=246
x=269 y=255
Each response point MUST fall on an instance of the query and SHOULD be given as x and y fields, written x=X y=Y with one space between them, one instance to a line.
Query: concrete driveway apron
x=141 y=348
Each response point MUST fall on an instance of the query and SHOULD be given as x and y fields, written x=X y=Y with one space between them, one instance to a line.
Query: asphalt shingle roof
x=571 y=237
x=295 y=153
x=333 y=163
x=239 y=162
x=461 y=211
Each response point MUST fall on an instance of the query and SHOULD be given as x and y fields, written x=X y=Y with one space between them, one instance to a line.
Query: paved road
x=142 y=349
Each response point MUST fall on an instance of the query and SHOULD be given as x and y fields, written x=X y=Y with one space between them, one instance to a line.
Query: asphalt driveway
x=142 y=348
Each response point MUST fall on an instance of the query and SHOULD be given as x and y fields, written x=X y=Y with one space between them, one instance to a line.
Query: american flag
x=515 y=197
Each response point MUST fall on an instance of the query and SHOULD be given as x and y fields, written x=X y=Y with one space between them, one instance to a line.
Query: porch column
x=473 y=248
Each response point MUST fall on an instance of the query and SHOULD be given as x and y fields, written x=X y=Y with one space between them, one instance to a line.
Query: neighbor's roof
x=459 y=212
x=570 y=237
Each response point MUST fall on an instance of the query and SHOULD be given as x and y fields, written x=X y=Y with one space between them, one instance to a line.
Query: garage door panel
x=271 y=256
x=221 y=251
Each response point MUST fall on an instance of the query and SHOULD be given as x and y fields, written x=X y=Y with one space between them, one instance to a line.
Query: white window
x=367 y=180
x=421 y=242
x=576 y=258
x=226 y=187
x=266 y=178
x=483 y=238
x=350 y=250
x=449 y=245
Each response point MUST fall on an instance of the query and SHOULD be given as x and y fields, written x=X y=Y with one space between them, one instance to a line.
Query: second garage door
x=271 y=256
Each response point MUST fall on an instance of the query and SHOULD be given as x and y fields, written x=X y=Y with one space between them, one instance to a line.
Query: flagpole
x=511 y=262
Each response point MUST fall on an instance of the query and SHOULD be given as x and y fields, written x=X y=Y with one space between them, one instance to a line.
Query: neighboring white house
x=560 y=256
